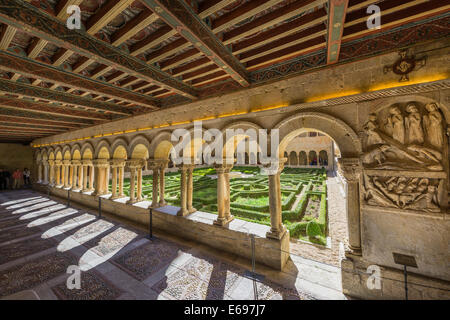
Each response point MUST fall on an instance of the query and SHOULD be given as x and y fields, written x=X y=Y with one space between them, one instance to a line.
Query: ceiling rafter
x=9 y=87
x=337 y=12
x=23 y=15
x=182 y=18
x=34 y=69
x=24 y=104
x=42 y=116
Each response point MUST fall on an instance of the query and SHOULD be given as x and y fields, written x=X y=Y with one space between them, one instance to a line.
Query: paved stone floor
x=41 y=237
x=337 y=228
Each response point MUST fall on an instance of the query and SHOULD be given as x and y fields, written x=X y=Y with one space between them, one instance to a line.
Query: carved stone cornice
x=350 y=168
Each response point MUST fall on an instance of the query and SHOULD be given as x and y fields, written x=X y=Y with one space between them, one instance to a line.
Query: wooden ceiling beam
x=64 y=120
x=37 y=122
x=410 y=14
x=152 y=40
x=180 y=16
x=31 y=106
x=105 y=14
x=7 y=34
x=9 y=87
x=133 y=26
x=32 y=20
x=33 y=69
x=28 y=129
x=290 y=10
x=337 y=12
x=208 y=7
x=31 y=127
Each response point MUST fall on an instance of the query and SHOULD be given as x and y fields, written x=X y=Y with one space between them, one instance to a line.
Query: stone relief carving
x=402 y=192
x=403 y=158
x=405 y=138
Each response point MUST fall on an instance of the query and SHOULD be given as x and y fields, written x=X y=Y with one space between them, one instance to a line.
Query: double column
x=351 y=169
x=186 y=189
x=101 y=182
x=277 y=229
x=158 y=167
x=52 y=171
x=66 y=176
x=135 y=166
x=45 y=171
x=86 y=176
x=223 y=194
x=58 y=169
x=40 y=168
x=75 y=174
x=117 y=167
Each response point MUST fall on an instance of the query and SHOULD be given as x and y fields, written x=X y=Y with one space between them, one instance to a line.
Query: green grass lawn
x=303 y=197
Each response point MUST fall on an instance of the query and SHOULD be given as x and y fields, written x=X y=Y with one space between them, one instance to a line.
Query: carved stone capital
x=101 y=163
x=350 y=168
x=136 y=163
x=117 y=163
x=223 y=167
x=87 y=162
x=273 y=168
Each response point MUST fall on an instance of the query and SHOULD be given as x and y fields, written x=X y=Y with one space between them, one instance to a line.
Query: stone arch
x=139 y=148
x=302 y=158
x=44 y=154
x=323 y=158
x=76 y=152
x=103 y=150
x=87 y=151
x=160 y=146
x=293 y=159
x=338 y=130
x=119 y=149
x=142 y=144
x=66 y=152
x=312 y=158
x=230 y=145
x=58 y=153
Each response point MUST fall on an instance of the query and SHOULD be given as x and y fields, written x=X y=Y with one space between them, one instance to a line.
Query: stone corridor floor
x=40 y=237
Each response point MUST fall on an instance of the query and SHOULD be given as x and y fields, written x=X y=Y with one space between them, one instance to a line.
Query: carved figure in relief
x=395 y=124
x=370 y=127
x=413 y=123
x=376 y=155
x=401 y=192
x=433 y=126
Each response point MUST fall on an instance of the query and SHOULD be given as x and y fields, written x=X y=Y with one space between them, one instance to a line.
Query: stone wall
x=14 y=156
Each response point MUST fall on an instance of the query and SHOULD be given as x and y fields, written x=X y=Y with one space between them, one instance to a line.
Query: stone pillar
x=190 y=188
x=45 y=172
x=84 y=174
x=351 y=169
x=277 y=230
x=40 y=166
x=117 y=178
x=135 y=166
x=66 y=166
x=75 y=180
x=155 y=187
x=58 y=173
x=52 y=172
x=100 y=182
x=183 y=191
x=162 y=182
x=90 y=167
x=223 y=194
x=121 y=174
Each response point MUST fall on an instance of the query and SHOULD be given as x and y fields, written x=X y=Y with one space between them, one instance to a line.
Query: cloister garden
x=304 y=197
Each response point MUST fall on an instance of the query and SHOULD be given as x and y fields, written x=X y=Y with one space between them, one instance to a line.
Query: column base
x=182 y=212
x=117 y=196
x=162 y=204
x=222 y=222
x=191 y=210
x=276 y=234
x=353 y=251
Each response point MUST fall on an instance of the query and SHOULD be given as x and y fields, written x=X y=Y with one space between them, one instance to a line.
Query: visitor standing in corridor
x=17 y=176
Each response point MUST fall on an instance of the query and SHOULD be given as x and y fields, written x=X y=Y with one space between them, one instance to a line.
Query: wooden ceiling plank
x=4 y=112
x=209 y=7
x=105 y=14
x=273 y=18
x=132 y=27
x=24 y=120
x=22 y=104
x=152 y=40
x=180 y=16
x=58 y=96
x=32 y=69
x=32 y=20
